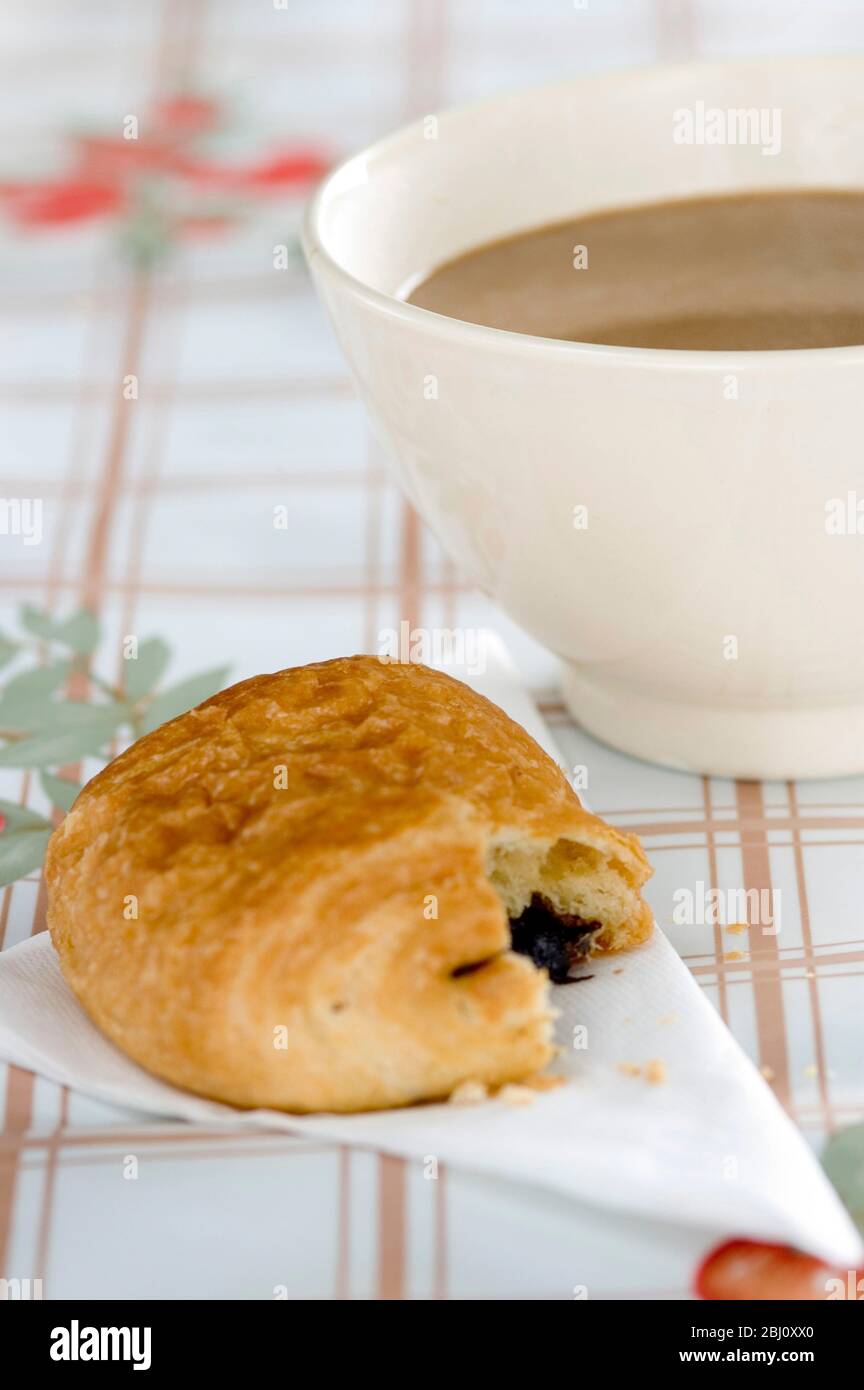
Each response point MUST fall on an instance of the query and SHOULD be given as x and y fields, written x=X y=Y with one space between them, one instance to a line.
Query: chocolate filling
x=557 y=941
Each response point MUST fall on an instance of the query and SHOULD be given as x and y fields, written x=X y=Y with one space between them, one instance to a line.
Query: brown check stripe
x=155 y=516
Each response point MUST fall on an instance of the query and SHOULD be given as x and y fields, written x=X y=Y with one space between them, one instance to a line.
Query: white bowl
x=707 y=616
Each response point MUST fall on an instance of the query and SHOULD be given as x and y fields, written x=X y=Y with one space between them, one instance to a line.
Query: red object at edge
x=746 y=1270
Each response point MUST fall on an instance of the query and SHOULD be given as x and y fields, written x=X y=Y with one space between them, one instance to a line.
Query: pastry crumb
x=469 y=1093
x=668 y=1018
x=619 y=970
x=768 y=1073
x=517 y=1095
x=654 y=1072
x=542 y=1082
x=736 y=955
x=736 y=928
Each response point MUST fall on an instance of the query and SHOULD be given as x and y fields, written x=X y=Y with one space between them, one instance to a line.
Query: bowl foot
x=773 y=742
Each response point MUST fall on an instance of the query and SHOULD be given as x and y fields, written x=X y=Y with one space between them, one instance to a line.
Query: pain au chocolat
x=327 y=888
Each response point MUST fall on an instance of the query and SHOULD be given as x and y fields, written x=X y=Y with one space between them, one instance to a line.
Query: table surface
x=159 y=515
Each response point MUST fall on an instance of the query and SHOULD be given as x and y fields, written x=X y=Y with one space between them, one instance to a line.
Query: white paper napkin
x=709 y=1145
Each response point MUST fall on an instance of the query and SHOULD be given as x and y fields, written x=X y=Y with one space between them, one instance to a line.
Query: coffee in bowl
x=748 y=272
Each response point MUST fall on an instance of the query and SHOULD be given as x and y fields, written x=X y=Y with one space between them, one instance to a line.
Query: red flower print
x=284 y=171
x=187 y=113
x=62 y=200
x=159 y=178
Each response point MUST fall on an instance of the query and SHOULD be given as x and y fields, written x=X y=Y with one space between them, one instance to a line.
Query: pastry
x=301 y=894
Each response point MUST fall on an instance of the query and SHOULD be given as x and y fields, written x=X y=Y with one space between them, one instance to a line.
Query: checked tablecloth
x=167 y=386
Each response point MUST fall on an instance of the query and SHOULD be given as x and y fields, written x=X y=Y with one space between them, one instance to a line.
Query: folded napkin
x=660 y=1113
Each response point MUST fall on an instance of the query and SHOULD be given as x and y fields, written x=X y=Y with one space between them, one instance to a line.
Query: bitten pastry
x=326 y=889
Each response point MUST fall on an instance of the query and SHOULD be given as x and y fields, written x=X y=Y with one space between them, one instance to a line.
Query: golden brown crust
x=307 y=854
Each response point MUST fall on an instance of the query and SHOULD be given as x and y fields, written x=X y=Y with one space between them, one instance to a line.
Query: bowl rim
x=507 y=340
